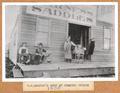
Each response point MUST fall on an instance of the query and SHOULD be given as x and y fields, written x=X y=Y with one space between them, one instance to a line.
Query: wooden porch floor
x=65 y=65
x=63 y=69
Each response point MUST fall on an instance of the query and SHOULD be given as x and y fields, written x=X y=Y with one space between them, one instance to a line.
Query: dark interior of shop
x=79 y=34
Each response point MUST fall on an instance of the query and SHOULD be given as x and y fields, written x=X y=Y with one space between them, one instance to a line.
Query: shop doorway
x=79 y=34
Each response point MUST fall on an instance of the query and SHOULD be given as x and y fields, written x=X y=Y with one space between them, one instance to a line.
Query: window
x=42 y=31
x=107 y=38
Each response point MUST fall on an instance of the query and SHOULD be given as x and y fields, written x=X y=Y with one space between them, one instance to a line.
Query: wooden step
x=17 y=73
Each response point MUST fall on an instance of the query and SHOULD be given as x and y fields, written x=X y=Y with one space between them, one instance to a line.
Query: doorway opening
x=79 y=34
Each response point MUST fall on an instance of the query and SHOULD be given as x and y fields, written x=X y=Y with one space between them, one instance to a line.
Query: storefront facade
x=51 y=25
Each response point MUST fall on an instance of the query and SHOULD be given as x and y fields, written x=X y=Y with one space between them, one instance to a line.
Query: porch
x=68 y=70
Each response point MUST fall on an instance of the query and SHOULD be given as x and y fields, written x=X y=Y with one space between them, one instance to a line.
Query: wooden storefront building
x=52 y=24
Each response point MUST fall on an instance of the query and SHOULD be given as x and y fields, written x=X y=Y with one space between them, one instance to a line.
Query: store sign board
x=70 y=13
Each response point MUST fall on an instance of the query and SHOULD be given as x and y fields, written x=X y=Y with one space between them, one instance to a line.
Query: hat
x=91 y=39
x=24 y=43
x=40 y=44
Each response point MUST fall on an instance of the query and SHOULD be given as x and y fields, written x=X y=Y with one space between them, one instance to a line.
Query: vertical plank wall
x=58 y=36
x=56 y=30
x=28 y=30
x=100 y=54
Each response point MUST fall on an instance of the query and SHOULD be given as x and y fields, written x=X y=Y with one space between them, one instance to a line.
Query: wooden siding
x=100 y=54
x=56 y=30
x=28 y=29
x=58 y=36
x=97 y=34
x=57 y=33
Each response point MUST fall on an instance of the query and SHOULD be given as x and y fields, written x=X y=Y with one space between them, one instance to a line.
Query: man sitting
x=40 y=53
x=79 y=52
x=24 y=54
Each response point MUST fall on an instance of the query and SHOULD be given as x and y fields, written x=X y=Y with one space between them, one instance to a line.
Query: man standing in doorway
x=90 y=49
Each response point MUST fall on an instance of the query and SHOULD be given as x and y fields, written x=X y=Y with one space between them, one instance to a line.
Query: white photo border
x=4 y=79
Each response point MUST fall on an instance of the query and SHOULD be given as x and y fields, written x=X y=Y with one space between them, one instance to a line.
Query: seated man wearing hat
x=39 y=54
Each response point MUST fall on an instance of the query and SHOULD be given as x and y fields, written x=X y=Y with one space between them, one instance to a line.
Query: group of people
x=78 y=52
x=39 y=56
x=71 y=51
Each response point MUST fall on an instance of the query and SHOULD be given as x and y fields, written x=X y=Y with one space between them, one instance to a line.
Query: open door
x=79 y=34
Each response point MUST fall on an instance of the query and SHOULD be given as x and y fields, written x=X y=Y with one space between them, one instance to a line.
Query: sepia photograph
x=60 y=41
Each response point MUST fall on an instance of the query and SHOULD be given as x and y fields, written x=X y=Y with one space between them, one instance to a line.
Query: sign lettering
x=82 y=16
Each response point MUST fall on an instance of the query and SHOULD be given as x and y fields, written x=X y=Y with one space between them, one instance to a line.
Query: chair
x=79 y=55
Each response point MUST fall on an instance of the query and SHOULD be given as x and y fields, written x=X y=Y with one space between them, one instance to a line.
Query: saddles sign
x=69 y=13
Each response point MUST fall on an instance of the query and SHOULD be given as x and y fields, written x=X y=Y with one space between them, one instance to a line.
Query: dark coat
x=91 y=47
x=40 y=51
